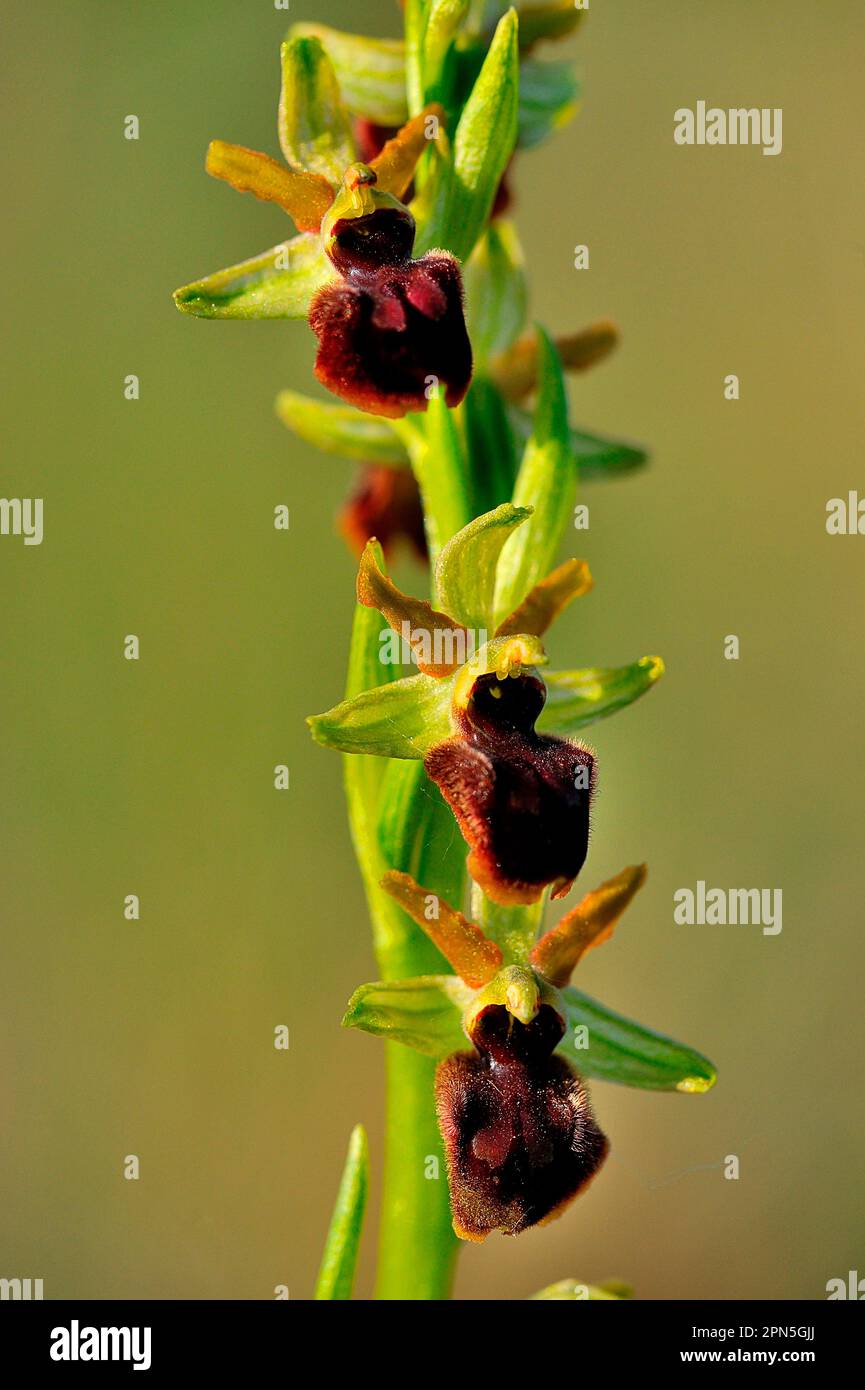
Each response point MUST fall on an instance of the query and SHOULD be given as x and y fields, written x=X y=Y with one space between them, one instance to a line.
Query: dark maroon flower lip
x=387 y=342
x=520 y=1136
x=359 y=246
x=522 y=799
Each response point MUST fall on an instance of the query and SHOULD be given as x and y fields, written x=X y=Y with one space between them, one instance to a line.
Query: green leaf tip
x=336 y=1275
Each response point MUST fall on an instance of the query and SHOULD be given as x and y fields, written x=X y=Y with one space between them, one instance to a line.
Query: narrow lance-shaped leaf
x=363 y=775
x=417 y=835
x=424 y=1013
x=336 y=1275
x=340 y=429
x=608 y=1047
x=443 y=20
x=578 y=698
x=278 y=284
x=465 y=572
x=483 y=144
x=597 y=455
x=370 y=72
x=496 y=291
x=491 y=443
x=547 y=481
x=442 y=473
x=314 y=128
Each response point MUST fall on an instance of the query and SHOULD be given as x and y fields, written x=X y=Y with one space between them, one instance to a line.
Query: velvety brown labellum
x=384 y=341
x=521 y=799
x=359 y=246
x=520 y=1137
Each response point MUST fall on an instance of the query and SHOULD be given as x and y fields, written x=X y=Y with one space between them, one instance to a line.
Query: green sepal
x=597 y=456
x=578 y=698
x=340 y=429
x=424 y=1013
x=551 y=19
x=547 y=480
x=549 y=98
x=278 y=284
x=408 y=717
x=370 y=72
x=314 y=127
x=465 y=571
x=496 y=291
x=457 y=208
x=401 y=720
x=572 y=1291
x=628 y=1053
x=336 y=1275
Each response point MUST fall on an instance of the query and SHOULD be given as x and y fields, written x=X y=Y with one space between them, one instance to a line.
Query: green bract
x=336 y=1276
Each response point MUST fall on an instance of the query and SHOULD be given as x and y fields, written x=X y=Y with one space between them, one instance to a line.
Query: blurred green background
x=155 y=778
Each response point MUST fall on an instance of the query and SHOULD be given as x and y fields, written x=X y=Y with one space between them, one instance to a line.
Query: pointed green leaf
x=578 y=698
x=370 y=72
x=483 y=143
x=465 y=572
x=549 y=98
x=401 y=720
x=440 y=466
x=444 y=18
x=572 y=1291
x=547 y=481
x=340 y=429
x=278 y=284
x=627 y=1053
x=491 y=444
x=363 y=776
x=336 y=1275
x=496 y=291
x=596 y=455
x=424 y=1013
x=314 y=127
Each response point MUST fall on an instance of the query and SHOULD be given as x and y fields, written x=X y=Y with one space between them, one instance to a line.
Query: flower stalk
x=467 y=785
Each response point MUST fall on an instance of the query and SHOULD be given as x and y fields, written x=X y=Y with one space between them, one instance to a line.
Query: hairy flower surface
x=521 y=798
x=519 y=1133
x=391 y=327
